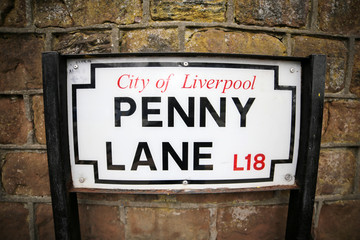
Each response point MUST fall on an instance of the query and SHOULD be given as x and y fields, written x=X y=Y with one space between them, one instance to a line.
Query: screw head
x=186 y=64
x=292 y=70
x=288 y=177
x=185 y=182
x=76 y=66
x=81 y=180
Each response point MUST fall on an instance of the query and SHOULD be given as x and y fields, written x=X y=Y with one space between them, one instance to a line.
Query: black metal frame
x=64 y=201
x=301 y=202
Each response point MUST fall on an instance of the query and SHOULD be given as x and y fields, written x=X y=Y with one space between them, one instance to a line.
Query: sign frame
x=64 y=200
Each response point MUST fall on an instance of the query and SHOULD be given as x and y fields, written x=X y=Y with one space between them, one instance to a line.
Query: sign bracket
x=301 y=201
x=64 y=203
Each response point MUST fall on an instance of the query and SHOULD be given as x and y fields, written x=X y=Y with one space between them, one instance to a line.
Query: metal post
x=65 y=209
x=301 y=202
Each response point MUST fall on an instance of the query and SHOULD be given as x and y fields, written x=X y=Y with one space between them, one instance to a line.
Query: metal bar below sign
x=300 y=213
x=65 y=208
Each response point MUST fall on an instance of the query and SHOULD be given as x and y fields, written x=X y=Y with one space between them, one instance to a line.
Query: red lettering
x=259 y=162
x=247 y=81
x=236 y=168
x=252 y=85
x=161 y=81
x=120 y=78
x=226 y=85
x=222 y=84
x=237 y=81
x=248 y=158
x=210 y=82
x=186 y=78
x=201 y=82
x=217 y=83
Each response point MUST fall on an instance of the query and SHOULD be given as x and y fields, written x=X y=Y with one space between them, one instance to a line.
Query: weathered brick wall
x=286 y=28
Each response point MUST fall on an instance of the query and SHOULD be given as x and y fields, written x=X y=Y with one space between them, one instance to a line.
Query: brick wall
x=285 y=28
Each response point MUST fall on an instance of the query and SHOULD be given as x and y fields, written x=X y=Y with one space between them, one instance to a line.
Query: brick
x=59 y=13
x=150 y=40
x=83 y=42
x=118 y=11
x=100 y=222
x=112 y=197
x=14 y=126
x=20 y=61
x=251 y=222
x=222 y=41
x=336 y=55
x=225 y=197
x=341 y=122
x=106 y=197
x=272 y=13
x=339 y=16
x=339 y=220
x=39 y=122
x=181 y=198
x=355 y=81
x=51 y=14
x=336 y=173
x=26 y=173
x=13 y=13
x=178 y=10
x=44 y=222
x=166 y=223
x=14 y=221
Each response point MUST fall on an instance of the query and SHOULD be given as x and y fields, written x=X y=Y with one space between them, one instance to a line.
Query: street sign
x=183 y=122
x=175 y=123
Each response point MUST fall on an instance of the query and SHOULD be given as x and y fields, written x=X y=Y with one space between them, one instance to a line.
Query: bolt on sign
x=183 y=122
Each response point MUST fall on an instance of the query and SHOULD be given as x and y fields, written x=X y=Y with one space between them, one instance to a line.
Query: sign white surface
x=183 y=123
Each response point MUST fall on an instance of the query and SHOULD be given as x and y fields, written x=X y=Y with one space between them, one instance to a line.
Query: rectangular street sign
x=183 y=122
x=174 y=123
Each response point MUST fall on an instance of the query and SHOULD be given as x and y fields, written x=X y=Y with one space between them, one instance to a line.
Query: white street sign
x=183 y=123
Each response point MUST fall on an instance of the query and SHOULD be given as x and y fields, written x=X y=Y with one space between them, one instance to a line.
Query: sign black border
x=92 y=85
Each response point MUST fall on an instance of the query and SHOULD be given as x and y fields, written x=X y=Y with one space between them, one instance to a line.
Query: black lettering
x=110 y=166
x=146 y=112
x=219 y=119
x=167 y=148
x=143 y=146
x=174 y=104
x=243 y=110
x=119 y=113
x=198 y=155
